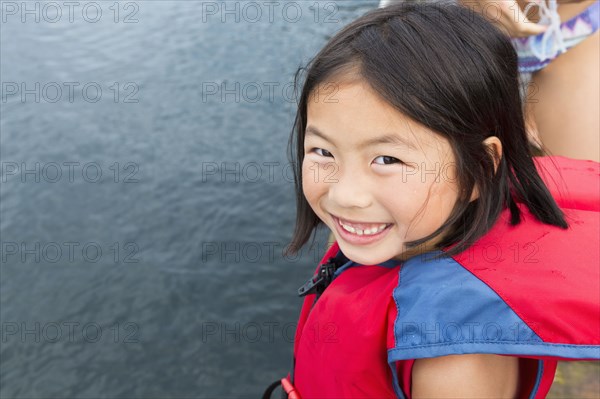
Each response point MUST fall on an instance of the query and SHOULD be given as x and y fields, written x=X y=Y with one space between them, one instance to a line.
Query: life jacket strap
x=269 y=391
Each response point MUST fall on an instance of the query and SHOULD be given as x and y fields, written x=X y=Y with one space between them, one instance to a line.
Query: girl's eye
x=322 y=152
x=385 y=160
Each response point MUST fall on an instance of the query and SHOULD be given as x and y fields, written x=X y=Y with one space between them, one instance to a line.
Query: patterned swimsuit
x=535 y=52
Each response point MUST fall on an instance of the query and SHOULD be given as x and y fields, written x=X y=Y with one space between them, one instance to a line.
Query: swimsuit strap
x=535 y=52
x=549 y=16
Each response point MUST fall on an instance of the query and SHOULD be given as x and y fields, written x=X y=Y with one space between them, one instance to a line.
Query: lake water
x=146 y=195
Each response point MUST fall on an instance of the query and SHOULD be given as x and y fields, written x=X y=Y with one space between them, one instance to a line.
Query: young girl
x=454 y=272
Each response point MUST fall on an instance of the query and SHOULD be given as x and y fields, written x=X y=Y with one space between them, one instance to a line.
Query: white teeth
x=349 y=228
x=367 y=232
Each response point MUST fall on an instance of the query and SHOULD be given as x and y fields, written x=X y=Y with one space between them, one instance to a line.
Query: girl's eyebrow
x=385 y=139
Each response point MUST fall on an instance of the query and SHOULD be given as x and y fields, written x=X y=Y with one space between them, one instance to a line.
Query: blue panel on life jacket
x=444 y=309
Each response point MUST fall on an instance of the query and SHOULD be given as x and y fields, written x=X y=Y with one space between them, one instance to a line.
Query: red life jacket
x=530 y=291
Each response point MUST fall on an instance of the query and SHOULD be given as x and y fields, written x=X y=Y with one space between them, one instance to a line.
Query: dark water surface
x=146 y=197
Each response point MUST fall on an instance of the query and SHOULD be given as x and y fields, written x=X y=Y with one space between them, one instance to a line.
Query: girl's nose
x=350 y=191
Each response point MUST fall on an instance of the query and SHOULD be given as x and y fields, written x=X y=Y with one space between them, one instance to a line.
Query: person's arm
x=465 y=376
x=506 y=15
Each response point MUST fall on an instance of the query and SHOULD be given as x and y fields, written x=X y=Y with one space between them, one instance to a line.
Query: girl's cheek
x=404 y=197
x=317 y=170
x=309 y=184
x=408 y=183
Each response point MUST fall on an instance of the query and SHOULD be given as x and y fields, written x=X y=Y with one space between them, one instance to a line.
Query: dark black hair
x=447 y=68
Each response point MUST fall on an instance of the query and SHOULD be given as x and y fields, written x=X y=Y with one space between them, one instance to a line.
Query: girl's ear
x=493 y=146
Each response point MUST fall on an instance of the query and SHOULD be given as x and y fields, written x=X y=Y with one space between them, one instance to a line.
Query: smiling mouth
x=361 y=229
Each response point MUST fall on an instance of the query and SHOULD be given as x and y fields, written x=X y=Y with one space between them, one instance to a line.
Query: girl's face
x=375 y=177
